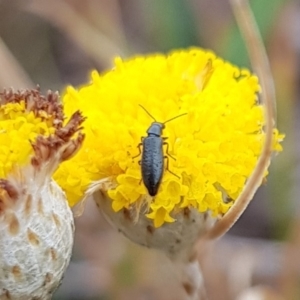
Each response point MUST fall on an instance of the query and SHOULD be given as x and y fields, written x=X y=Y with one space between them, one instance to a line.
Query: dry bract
x=175 y=239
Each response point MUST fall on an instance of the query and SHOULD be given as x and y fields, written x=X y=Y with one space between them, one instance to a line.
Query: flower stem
x=260 y=63
x=192 y=279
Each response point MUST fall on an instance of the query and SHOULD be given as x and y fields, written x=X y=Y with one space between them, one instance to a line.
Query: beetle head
x=156 y=128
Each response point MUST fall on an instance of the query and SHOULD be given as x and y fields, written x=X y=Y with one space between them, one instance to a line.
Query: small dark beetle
x=152 y=162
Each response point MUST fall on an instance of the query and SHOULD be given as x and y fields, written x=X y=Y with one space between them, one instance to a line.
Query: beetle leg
x=167 y=166
x=140 y=151
x=167 y=149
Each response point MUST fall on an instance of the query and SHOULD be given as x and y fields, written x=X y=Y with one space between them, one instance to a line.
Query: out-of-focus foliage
x=266 y=13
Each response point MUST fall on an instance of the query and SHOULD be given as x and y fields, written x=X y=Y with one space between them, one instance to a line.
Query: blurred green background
x=56 y=43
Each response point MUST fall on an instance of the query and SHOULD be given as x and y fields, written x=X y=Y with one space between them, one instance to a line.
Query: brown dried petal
x=36 y=102
x=61 y=143
x=8 y=194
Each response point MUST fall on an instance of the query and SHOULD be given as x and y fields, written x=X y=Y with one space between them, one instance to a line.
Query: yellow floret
x=216 y=145
x=18 y=127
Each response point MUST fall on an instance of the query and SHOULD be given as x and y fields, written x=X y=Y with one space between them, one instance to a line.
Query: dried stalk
x=11 y=72
x=87 y=37
x=260 y=64
x=192 y=280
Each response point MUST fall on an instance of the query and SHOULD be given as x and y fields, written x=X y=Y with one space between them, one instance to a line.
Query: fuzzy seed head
x=36 y=239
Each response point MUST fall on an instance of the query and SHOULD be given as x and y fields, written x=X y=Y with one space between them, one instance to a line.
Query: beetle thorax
x=156 y=129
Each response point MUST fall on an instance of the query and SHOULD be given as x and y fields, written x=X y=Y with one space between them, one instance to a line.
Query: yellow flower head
x=211 y=150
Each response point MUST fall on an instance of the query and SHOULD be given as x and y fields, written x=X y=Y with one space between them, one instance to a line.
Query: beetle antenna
x=174 y=118
x=147 y=112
